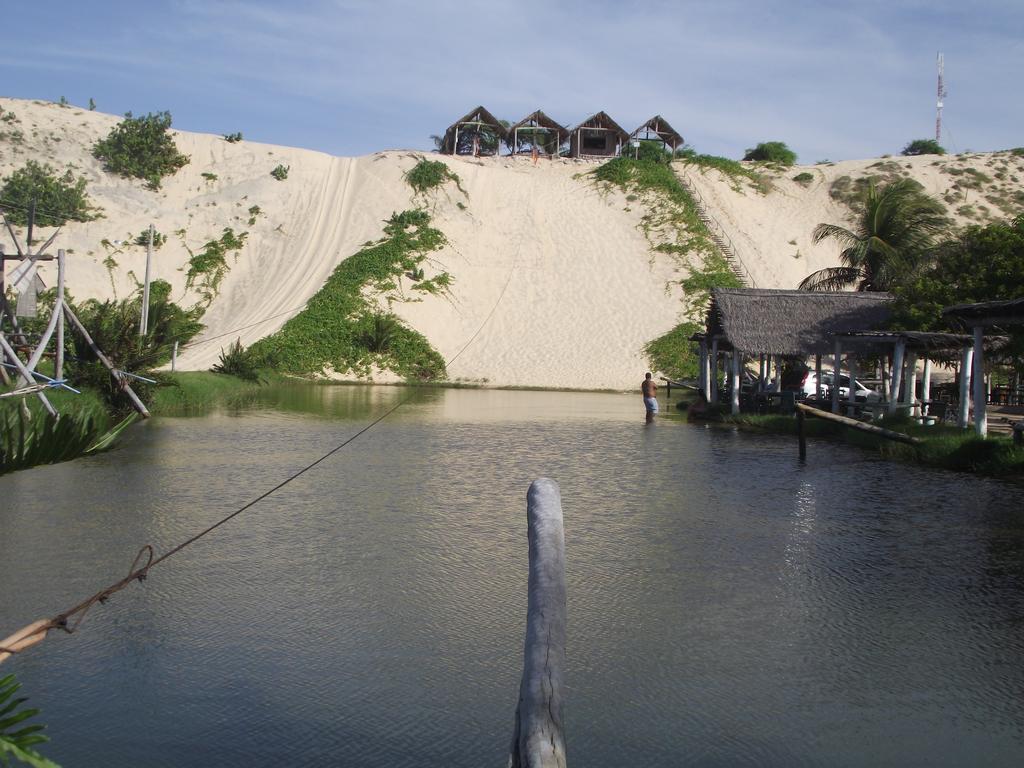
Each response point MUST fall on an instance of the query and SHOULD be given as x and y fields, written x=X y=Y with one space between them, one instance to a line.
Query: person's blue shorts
x=652 y=404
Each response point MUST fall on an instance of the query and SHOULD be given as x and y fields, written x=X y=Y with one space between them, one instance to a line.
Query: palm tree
x=892 y=237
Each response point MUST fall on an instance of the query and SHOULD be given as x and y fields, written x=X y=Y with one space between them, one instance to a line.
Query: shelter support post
x=911 y=387
x=702 y=370
x=897 y=375
x=966 y=360
x=760 y=373
x=817 y=376
x=735 y=393
x=538 y=740
x=978 y=377
x=926 y=386
x=837 y=350
x=851 y=399
x=713 y=384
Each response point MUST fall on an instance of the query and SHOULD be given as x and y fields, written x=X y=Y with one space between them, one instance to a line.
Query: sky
x=834 y=80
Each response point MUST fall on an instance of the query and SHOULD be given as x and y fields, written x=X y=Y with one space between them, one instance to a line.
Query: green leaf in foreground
x=17 y=742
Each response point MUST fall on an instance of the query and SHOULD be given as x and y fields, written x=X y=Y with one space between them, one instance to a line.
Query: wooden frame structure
x=597 y=136
x=658 y=129
x=469 y=134
x=534 y=123
x=29 y=380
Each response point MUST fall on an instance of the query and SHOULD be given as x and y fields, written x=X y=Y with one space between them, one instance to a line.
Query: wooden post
x=978 y=377
x=110 y=366
x=801 y=436
x=926 y=386
x=735 y=395
x=817 y=375
x=58 y=360
x=713 y=385
x=836 y=351
x=851 y=400
x=965 y=387
x=538 y=740
x=760 y=373
x=897 y=375
x=911 y=387
x=859 y=425
x=144 y=313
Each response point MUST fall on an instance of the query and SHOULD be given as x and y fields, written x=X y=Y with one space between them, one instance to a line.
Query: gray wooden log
x=538 y=740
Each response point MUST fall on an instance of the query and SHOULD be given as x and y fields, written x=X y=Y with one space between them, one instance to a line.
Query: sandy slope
x=554 y=285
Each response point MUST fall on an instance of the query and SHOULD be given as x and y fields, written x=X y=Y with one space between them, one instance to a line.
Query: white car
x=809 y=387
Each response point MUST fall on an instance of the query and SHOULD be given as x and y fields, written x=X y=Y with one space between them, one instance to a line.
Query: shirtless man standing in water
x=650 y=392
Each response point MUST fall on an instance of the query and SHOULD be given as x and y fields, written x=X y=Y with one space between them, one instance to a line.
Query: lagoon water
x=728 y=605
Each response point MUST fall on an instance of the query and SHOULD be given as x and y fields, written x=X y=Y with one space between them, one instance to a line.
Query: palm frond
x=831 y=279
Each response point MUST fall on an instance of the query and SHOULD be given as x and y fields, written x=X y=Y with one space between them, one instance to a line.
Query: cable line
x=70 y=619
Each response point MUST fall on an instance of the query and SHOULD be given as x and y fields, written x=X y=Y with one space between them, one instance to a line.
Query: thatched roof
x=601 y=120
x=1009 y=312
x=659 y=126
x=539 y=120
x=798 y=323
x=479 y=117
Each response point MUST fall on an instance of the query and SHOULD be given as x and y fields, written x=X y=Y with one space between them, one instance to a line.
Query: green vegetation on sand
x=338 y=327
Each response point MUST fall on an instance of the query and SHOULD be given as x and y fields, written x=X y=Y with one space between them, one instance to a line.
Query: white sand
x=554 y=284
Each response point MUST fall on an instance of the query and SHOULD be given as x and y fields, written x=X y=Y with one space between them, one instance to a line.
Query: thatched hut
x=597 y=136
x=779 y=323
x=537 y=131
x=658 y=129
x=977 y=317
x=476 y=133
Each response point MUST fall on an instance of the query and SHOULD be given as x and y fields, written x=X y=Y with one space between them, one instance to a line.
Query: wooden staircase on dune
x=718 y=235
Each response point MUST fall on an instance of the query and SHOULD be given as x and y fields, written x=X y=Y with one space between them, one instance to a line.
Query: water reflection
x=728 y=605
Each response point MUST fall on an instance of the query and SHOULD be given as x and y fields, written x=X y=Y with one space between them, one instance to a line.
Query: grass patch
x=208 y=267
x=333 y=329
x=804 y=178
x=188 y=393
x=734 y=170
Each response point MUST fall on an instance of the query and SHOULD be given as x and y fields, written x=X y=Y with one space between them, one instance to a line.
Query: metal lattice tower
x=940 y=95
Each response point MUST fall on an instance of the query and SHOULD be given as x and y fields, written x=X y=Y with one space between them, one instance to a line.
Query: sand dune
x=554 y=284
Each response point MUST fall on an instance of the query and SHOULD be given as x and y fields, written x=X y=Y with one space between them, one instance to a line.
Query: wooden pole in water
x=538 y=740
x=801 y=436
x=859 y=425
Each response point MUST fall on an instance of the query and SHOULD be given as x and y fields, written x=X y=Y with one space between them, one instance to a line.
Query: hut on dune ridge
x=597 y=136
x=658 y=129
x=478 y=132
x=537 y=131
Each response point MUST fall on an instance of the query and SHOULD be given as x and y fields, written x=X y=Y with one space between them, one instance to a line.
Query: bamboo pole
x=58 y=360
x=25 y=374
x=860 y=425
x=538 y=740
x=110 y=366
x=24 y=638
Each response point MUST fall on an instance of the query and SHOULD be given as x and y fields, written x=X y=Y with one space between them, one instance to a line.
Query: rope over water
x=36 y=632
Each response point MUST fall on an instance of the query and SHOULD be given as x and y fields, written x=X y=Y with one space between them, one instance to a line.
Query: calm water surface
x=728 y=605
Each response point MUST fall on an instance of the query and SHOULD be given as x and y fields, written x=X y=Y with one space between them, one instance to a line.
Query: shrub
x=280 y=172
x=58 y=198
x=804 y=178
x=141 y=148
x=209 y=176
x=653 y=151
x=923 y=147
x=233 y=138
x=143 y=238
x=378 y=332
x=208 y=267
x=92 y=104
x=16 y=739
x=237 y=361
x=430 y=174
x=772 y=152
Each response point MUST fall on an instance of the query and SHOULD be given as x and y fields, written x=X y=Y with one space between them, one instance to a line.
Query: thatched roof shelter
x=597 y=136
x=540 y=131
x=658 y=129
x=1009 y=312
x=478 y=132
x=791 y=323
x=928 y=343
